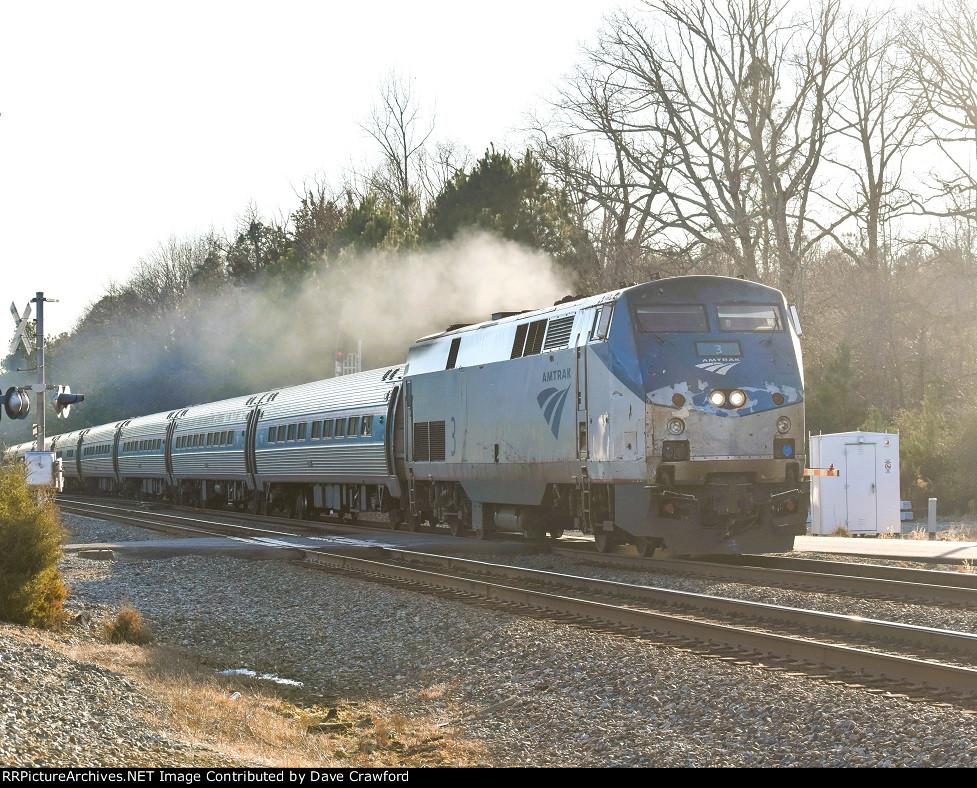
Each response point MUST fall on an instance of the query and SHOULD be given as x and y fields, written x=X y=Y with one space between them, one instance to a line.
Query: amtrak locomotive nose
x=721 y=370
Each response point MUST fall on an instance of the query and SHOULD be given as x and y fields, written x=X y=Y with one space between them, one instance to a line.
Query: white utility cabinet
x=864 y=497
x=40 y=468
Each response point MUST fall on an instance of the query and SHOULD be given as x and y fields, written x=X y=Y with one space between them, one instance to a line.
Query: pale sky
x=125 y=123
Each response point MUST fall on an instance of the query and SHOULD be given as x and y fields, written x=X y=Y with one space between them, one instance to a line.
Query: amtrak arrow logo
x=551 y=402
x=719 y=367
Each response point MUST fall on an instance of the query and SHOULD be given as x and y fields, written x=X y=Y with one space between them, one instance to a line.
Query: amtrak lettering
x=556 y=374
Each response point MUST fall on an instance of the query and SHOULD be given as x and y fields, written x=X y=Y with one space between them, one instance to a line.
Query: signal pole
x=40 y=388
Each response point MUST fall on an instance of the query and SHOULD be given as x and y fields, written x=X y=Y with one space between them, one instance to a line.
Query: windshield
x=749 y=317
x=671 y=317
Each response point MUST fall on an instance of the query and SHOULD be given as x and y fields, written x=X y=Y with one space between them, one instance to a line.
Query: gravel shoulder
x=534 y=693
x=57 y=711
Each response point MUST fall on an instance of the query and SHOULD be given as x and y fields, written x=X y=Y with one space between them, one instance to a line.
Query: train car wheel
x=605 y=541
x=555 y=533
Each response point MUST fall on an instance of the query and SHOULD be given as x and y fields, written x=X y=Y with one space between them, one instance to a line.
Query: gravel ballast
x=536 y=692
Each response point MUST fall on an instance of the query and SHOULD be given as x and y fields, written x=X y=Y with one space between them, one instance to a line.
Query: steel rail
x=176 y=521
x=964 y=643
x=841 y=657
x=856 y=569
x=941 y=588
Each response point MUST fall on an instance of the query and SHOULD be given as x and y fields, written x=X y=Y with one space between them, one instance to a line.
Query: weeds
x=126 y=627
x=841 y=530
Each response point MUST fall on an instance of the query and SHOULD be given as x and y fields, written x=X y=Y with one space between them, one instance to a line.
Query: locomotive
x=665 y=414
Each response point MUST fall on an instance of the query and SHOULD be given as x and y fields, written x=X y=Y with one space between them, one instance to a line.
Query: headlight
x=737 y=398
x=676 y=426
x=717 y=398
x=783 y=425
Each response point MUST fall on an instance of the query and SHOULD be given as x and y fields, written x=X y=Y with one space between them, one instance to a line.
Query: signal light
x=63 y=401
x=17 y=403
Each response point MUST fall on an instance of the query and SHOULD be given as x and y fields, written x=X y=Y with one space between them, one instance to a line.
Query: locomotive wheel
x=646 y=547
x=556 y=533
x=605 y=541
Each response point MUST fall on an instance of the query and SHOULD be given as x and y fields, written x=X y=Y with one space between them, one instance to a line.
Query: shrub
x=31 y=589
x=126 y=627
x=841 y=530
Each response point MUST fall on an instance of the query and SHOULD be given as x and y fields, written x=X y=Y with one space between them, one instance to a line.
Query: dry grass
x=918 y=534
x=967 y=567
x=841 y=530
x=244 y=719
x=126 y=627
x=959 y=533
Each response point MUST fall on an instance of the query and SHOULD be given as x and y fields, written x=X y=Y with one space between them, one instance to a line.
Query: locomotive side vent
x=437 y=441
x=422 y=447
x=429 y=441
x=519 y=341
x=558 y=335
x=453 y=353
x=534 y=337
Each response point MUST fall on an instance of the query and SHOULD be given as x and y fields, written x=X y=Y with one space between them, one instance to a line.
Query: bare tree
x=714 y=117
x=401 y=128
x=943 y=46
x=879 y=118
x=612 y=177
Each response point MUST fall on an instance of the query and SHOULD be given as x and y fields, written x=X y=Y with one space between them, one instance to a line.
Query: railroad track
x=925 y=586
x=552 y=594
x=177 y=524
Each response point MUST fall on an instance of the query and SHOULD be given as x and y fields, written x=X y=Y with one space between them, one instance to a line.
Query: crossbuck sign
x=20 y=335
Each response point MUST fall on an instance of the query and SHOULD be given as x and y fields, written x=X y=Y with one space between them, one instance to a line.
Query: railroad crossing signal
x=17 y=403
x=20 y=334
x=64 y=399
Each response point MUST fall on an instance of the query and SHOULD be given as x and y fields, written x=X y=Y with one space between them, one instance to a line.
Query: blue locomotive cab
x=717 y=361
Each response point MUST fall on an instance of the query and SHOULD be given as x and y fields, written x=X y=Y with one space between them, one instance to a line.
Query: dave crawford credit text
x=295 y=776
